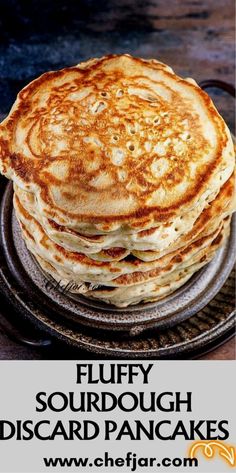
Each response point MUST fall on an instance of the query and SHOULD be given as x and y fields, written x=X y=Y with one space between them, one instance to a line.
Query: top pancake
x=115 y=142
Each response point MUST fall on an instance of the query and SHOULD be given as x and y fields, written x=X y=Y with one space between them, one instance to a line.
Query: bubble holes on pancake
x=128 y=132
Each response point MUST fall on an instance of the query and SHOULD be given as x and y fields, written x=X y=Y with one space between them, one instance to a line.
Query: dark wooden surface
x=195 y=37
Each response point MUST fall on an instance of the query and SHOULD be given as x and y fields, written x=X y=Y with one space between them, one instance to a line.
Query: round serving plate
x=192 y=338
x=182 y=304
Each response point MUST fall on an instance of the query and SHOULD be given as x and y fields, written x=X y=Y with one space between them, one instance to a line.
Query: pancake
x=164 y=239
x=209 y=220
x=116 y=143
x=154 y=293
x=146 y=291
x=82 y=268
x=160 y=275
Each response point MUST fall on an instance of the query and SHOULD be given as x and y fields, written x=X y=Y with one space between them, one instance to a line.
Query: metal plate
x=193 y=337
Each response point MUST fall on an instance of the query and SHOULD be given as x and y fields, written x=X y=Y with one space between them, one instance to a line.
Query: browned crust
x=34 y=171
x=136 y=276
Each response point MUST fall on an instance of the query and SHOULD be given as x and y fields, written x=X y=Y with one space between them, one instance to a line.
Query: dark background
x=196 y=38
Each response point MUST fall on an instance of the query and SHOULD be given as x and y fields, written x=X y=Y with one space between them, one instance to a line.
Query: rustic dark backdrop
x=195 y=37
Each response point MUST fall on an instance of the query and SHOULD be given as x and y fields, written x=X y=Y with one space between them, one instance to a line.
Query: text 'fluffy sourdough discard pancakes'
x=123 y=177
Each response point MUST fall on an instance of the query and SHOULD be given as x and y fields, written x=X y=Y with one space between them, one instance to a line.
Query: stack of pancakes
x=123 y=177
